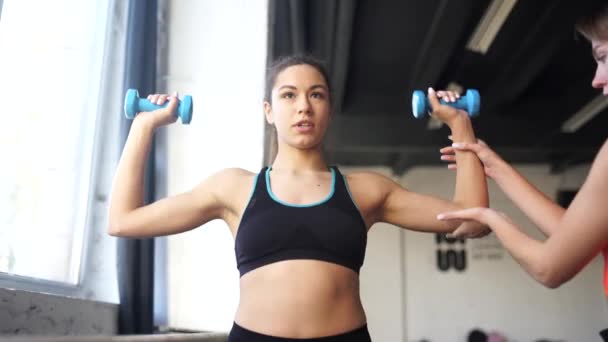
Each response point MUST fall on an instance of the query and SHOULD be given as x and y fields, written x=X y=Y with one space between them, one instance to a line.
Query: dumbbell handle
x=145 y=105
x=470 y=103
x=134 y=105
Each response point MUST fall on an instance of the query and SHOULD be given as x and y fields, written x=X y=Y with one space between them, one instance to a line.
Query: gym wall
x=409 y=298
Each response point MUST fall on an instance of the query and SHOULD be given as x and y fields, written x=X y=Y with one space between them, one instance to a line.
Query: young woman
x=300 y=226
x=575 y=235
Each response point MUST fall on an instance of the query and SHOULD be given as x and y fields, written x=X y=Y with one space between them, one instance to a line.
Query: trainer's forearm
x=543 y=211
x=128 y=186
x=471 y=189
x=524 y=249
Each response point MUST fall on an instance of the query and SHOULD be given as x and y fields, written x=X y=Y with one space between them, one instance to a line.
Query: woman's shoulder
x=228 y=180
x=600 y=164
x=602 y=155
x=234 y=176
x=229 y=186
x=236 y=172
x=368 y=178
x=599 y=168
x=370 y=183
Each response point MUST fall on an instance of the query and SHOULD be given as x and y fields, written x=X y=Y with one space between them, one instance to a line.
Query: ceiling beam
x=402 y=158
x=530 y=54
x=404 y=130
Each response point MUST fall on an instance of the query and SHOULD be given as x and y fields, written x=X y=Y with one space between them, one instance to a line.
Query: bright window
x=51 y=56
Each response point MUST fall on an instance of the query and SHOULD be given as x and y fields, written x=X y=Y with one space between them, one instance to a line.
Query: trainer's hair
x=285 y=62
x=594 y=25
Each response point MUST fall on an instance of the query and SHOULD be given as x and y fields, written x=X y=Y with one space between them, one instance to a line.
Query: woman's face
x=300 y=108
x=600 y=54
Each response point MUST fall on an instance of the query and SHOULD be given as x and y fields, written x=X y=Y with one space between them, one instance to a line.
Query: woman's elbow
x=449 y=226
x=484 y=202
x=114 y=230
x=481 y=204
x=116 y=226
x=552 y=277
x=481 y=201
x=551 y=283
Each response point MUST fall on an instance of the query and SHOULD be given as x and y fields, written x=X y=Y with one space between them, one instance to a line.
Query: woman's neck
x=294 y=160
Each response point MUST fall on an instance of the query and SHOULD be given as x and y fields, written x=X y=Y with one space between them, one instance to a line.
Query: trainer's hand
x=473 y=222
x=162 y=116
x=492 y=162
x=441 y=112
x=470 y=230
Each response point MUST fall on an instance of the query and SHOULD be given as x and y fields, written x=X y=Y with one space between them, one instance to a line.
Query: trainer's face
x=300 y=107
x=600 y=54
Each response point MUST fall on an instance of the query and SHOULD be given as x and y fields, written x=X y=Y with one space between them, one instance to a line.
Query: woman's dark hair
x=594 y=25
x=285 y=62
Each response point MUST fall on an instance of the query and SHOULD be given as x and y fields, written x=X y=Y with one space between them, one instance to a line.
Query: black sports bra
x=271 y=230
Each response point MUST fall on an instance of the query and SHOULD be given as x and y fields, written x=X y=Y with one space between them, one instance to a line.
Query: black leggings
x=240 y=334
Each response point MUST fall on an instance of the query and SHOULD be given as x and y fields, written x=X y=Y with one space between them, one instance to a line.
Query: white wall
x=493 y=293
x=217 y=53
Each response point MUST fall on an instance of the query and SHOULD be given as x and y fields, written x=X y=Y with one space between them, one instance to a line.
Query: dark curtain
x=136 y=256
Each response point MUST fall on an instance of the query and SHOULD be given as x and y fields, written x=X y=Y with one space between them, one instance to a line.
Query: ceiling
x=534 y=76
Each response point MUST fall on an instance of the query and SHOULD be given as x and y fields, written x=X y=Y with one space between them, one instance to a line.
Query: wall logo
x=451 y=253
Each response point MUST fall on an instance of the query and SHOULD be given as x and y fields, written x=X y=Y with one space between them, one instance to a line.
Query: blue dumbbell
x=134 y=105
x=469 y=102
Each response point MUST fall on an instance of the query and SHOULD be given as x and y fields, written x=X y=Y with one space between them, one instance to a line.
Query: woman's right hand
x=492 y=162
x=443 y=112
x=163 y=116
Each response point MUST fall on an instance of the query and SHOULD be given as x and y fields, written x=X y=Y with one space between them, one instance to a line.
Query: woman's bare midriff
x=300 y=299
